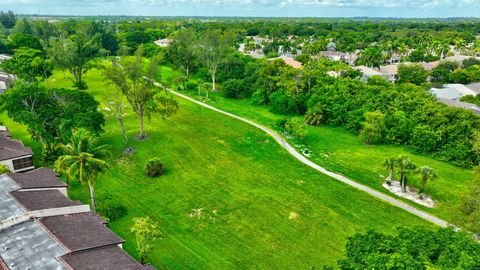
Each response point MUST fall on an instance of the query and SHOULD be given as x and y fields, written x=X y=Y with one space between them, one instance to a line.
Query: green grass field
x=343 y=152
x=257 y=207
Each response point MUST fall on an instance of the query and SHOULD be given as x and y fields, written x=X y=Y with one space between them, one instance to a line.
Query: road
x=292 y=151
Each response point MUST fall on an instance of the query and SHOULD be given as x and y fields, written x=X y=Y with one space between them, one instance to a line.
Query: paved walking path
x=280 y=140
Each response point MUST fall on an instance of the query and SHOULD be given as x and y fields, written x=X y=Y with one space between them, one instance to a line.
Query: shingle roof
x=106 y=258
x=38 y=178
x=28 y=246
x=10 y=148
x=43 y=199
x=80 y=231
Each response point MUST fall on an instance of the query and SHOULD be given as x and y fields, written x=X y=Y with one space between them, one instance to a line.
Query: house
x=41 y=228
x=452 y=91
x=14 y=154
x=290 y=61
x=430 y=65
x=458 y=58
x=451 y=95
x=348 y=58
x=163 y=42
x=390 y=72
x=369 y=72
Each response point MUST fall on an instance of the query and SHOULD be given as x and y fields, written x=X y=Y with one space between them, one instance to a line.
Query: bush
x=191 y=86
x=4 y=169
x=113 y=211
x=296 y=128
x=233 y=88
x=153 y=167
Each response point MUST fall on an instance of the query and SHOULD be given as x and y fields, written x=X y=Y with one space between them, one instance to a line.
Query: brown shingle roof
x=43 y=199
x=106 y=258
x=10 y=148
x=38 y=178
x=80 y=231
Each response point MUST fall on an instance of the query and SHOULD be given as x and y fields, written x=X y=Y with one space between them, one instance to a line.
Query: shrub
x=153 y=167
x=296 y=128
x=113 y=211
x=233 y=88
x=191 y=86
x=4 y=169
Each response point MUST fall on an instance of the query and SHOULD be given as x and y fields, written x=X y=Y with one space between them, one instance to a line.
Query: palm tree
x=405 y=167
x=389 y=163
x=427 y=174
x=82 y=159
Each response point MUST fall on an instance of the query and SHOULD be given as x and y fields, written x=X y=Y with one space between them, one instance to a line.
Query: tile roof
x=10 y=148
x=43 y=199
x=80 y=231
x=38 y=178
x=106 y=258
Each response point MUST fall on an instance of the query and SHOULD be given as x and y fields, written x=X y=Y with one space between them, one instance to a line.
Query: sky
x=250 y=8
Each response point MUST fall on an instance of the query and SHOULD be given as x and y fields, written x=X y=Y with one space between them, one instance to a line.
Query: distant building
x=290 y=61
x=369 y=72
x=348 y=58
x=390 y=72
x=163 y=42
x=451 y=95
x=458 y=58
x=14 y=154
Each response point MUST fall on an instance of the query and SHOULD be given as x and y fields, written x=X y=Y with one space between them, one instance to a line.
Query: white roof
x=452 y=91
x=368 y=71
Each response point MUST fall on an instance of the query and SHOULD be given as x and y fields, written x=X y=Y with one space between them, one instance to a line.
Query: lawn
x=231 y=197
x=343 y=152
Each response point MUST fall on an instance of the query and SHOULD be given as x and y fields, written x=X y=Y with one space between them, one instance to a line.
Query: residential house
x=369 y=72
x=41 y=228
x=14 y=154
x=348 y=58
x=451 y=94
x=163 y=42
x=390 y=72
x=290 y=61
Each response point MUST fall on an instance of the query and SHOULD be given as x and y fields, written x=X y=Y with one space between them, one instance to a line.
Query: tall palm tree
x=427 y=174
x=405 y=167
x=389 y=163
x=83 y=159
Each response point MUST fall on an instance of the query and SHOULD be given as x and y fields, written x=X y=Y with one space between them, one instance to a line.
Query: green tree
x=296 y=128
x=426 y=174
x=182 y=50
x=405 y=167
x=467 y=213
x=28 y=64
x=83 y=158
x=51 y=114
x=370 y=57
x=117 y=109
x=213 y=46
x=373 y=127
x=73 y=54
x=146 y=233
x=8 y=19
x=412 y=248
x=134 y=78
x=413 y=73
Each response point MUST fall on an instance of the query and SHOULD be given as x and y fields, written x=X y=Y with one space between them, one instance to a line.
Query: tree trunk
x=125 y=137
x=424 y=182
x=213 y=82
x=404 y=184
x=142 y=129
x=187 y=71
x=390 y=177
x=199 y=89
x=92 y=198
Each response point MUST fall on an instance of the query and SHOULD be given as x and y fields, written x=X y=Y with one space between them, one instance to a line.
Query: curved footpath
x=280 y=140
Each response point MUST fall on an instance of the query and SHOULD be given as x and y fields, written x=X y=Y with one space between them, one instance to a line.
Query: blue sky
x=263 y=8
